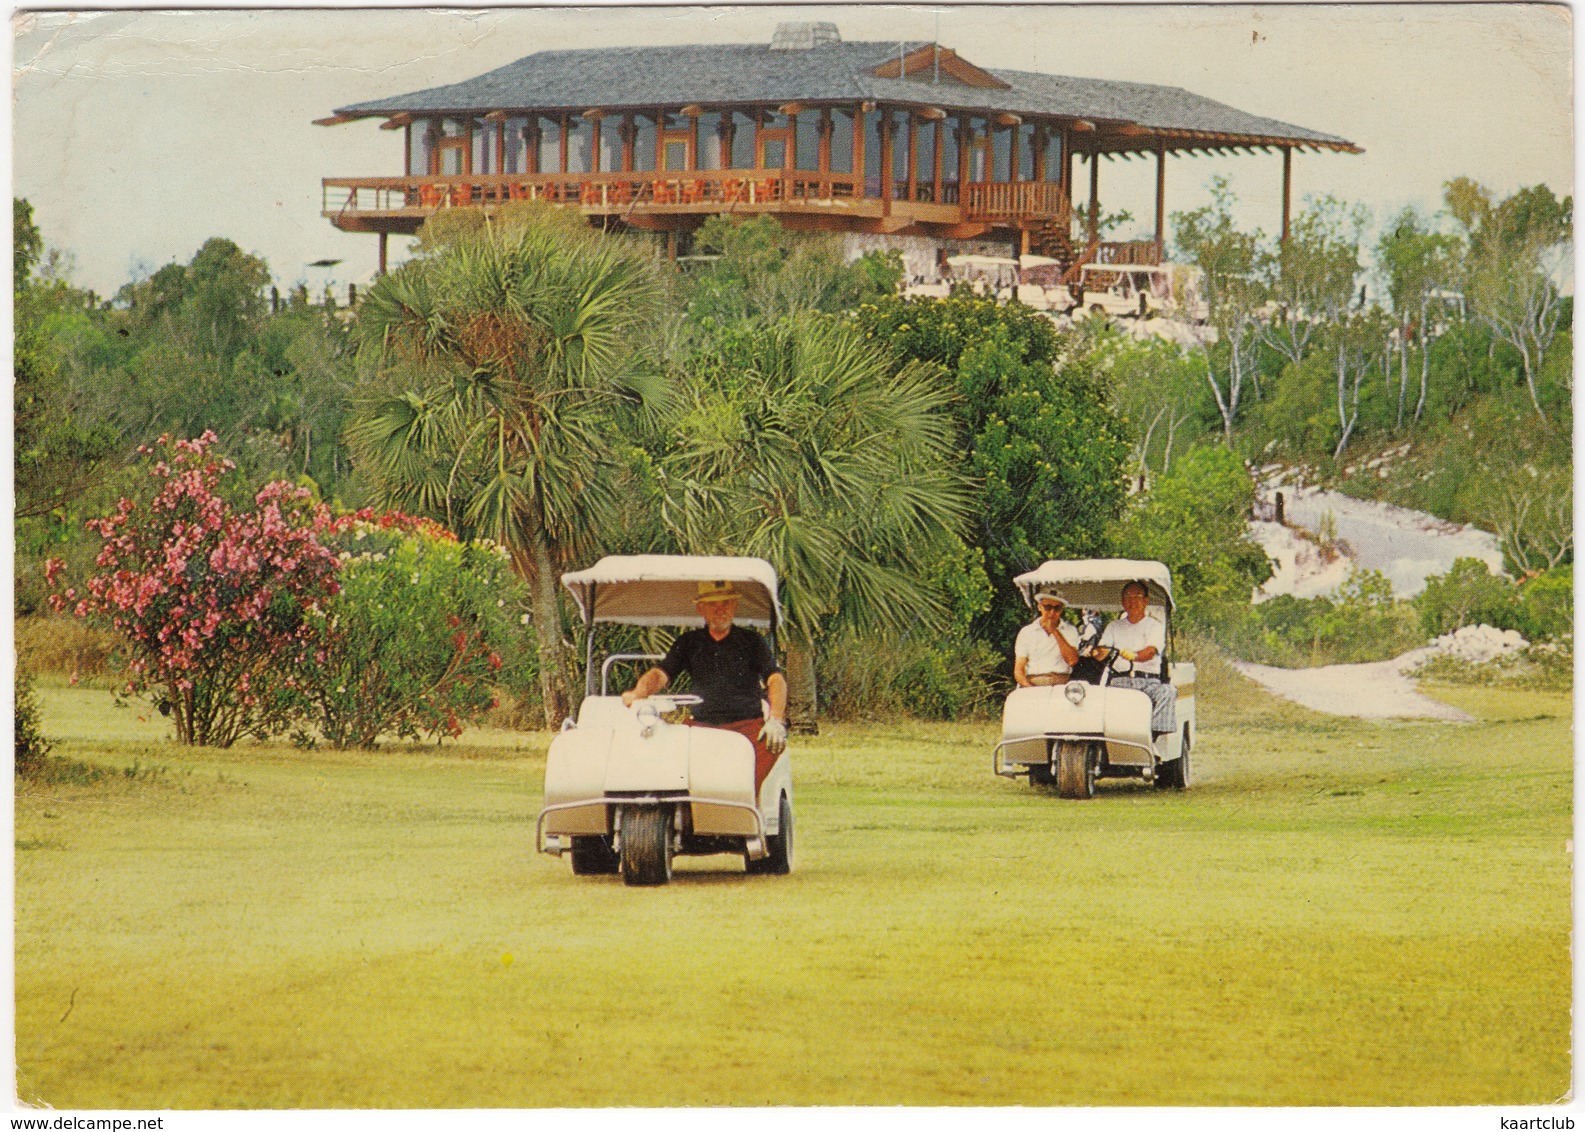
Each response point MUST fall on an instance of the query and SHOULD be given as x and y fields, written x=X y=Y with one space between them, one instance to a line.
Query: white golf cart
x=627 y=789
x=1122 y=290
x=1072 y=734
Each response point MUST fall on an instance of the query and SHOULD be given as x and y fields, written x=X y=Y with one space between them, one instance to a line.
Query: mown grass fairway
x=1338 y=913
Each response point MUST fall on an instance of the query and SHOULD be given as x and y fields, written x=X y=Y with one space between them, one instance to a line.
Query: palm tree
x=796 y=443
x=501 y=362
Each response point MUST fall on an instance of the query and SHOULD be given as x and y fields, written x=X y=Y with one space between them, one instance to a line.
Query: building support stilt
x=1161 y=202
x=1095 y=197
x=383 y=236
x=1287 y=189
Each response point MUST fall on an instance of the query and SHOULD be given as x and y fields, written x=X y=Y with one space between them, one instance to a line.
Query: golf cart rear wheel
x=778 y=861
x=1175 y=775
x=646 y=845
x=593 y=856
x=1075 y=769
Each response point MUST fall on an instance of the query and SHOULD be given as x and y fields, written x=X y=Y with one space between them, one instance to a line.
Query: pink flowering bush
x=214 y=602
x=412 y=644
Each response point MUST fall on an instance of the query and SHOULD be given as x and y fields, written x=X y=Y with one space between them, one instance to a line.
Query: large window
x=580 y=144
x=484 y=148
x=418 y=147
x=610 y=128
x=512 y=155
x=900 y=137
x=1026 y=152
x=949 y=150
x=872 y=153
x=806 y=145
x=709 y=152
x=643 y=143
x=742 y=140
x=550 y=145
x=1054 y=157
x=841 y=141
x=1001 y=154
x=925 y=160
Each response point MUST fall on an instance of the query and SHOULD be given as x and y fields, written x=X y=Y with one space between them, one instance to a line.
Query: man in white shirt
x=1045 y=650
x=1138 y=641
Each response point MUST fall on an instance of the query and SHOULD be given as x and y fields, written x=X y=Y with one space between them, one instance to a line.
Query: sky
x=138 y=135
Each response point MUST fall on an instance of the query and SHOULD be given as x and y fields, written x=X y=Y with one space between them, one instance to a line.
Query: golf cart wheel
x=1175 y=775
x=1075 y=769
x=778 y=861
x=646 y=846
x=593 y=856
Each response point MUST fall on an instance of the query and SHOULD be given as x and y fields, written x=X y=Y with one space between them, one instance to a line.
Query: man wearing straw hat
x=1046 y=649
x=733 y=671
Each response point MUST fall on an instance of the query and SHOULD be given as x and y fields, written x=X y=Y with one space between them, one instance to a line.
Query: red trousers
x=749 y=729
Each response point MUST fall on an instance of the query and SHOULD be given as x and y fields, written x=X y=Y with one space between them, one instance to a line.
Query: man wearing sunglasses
x=1045 y=650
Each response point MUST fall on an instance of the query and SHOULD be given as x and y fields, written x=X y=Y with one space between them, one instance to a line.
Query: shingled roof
x=643 y=77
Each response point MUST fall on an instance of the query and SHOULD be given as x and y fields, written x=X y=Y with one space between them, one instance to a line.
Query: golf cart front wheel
x=646 y=846
x=778 y=861
x=1075 y=769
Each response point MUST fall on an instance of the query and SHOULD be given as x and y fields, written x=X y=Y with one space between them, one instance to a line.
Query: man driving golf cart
x=1133 y=642
x=730 y=666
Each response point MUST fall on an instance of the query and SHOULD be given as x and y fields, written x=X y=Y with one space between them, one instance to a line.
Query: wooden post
x=383 y=237
x=1287 y=189
x=1161 y=200
x=887 y=181
x=1095 y=197
x=859 y=129
x=913 y=157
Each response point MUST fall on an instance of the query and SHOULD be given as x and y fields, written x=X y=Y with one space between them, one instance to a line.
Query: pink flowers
x=210 y=599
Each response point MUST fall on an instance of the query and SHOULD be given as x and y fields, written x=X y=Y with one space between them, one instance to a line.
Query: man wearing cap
x=1046 y=649
x=732 y=670
x=1138 y=641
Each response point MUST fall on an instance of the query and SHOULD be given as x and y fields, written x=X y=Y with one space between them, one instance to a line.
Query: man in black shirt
x=730 y=666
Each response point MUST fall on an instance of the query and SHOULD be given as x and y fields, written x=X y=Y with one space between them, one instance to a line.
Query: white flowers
x=523 y=620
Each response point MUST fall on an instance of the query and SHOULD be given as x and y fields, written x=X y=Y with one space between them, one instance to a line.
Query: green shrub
x=922 y=679
x=1360 y=624
x=32 y=749
x=1542 y=668
x=1546 y=605
x=1468 y=594
x=412 y=644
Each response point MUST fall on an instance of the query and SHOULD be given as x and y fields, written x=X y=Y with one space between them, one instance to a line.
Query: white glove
x=774 y=735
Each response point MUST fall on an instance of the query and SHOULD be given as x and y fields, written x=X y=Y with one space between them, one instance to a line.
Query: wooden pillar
x=671 y=243
x=939 y=132
x=1287 y=189
x=1095 y=197
x=913 y=157
x=1161 y=199
x=563 y=168
x=383 y=237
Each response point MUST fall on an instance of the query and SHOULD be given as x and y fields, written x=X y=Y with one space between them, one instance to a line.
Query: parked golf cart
x=1122 y=290
x=629 y=788
x=1072 y=734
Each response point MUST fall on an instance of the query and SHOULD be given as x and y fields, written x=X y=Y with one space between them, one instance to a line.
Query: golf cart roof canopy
x=1097 y=583
x=660 y=589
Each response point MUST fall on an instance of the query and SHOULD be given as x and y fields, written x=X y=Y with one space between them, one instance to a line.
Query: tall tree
x=1233 y=264
x=501 y=361
x=1514 y=248
x=1419 y=263
x=1313 y=275
x=801 y=444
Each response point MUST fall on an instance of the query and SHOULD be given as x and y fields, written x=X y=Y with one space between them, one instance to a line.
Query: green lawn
x=1338 y=913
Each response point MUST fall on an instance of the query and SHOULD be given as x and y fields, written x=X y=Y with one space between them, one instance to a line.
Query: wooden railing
x=598 y=192
x=1019 y=198
x=1131 y=253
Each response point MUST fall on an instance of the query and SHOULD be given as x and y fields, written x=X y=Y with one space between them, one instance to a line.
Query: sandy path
x=1364 y=691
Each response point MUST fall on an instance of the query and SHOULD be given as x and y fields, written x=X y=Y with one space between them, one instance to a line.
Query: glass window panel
x=899 y=125
x=675 y=121
x=549 y=146
x=708 y=153
x=742 y=141
x=806 y=149
x=676 y=156
x=643 y=144
x=512 y=154
x=872 y=153
x=418 y=149
x=1026 y=152
x=773 y=120
x=841 y=141
x=484 y=147
x=949 y=150
x=1001 y=155
x=453 y=127
x=927 y=152
x=610 y=132
x=451 y=161
x=775 y=153
x=1054 y=157
x=580 y=145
